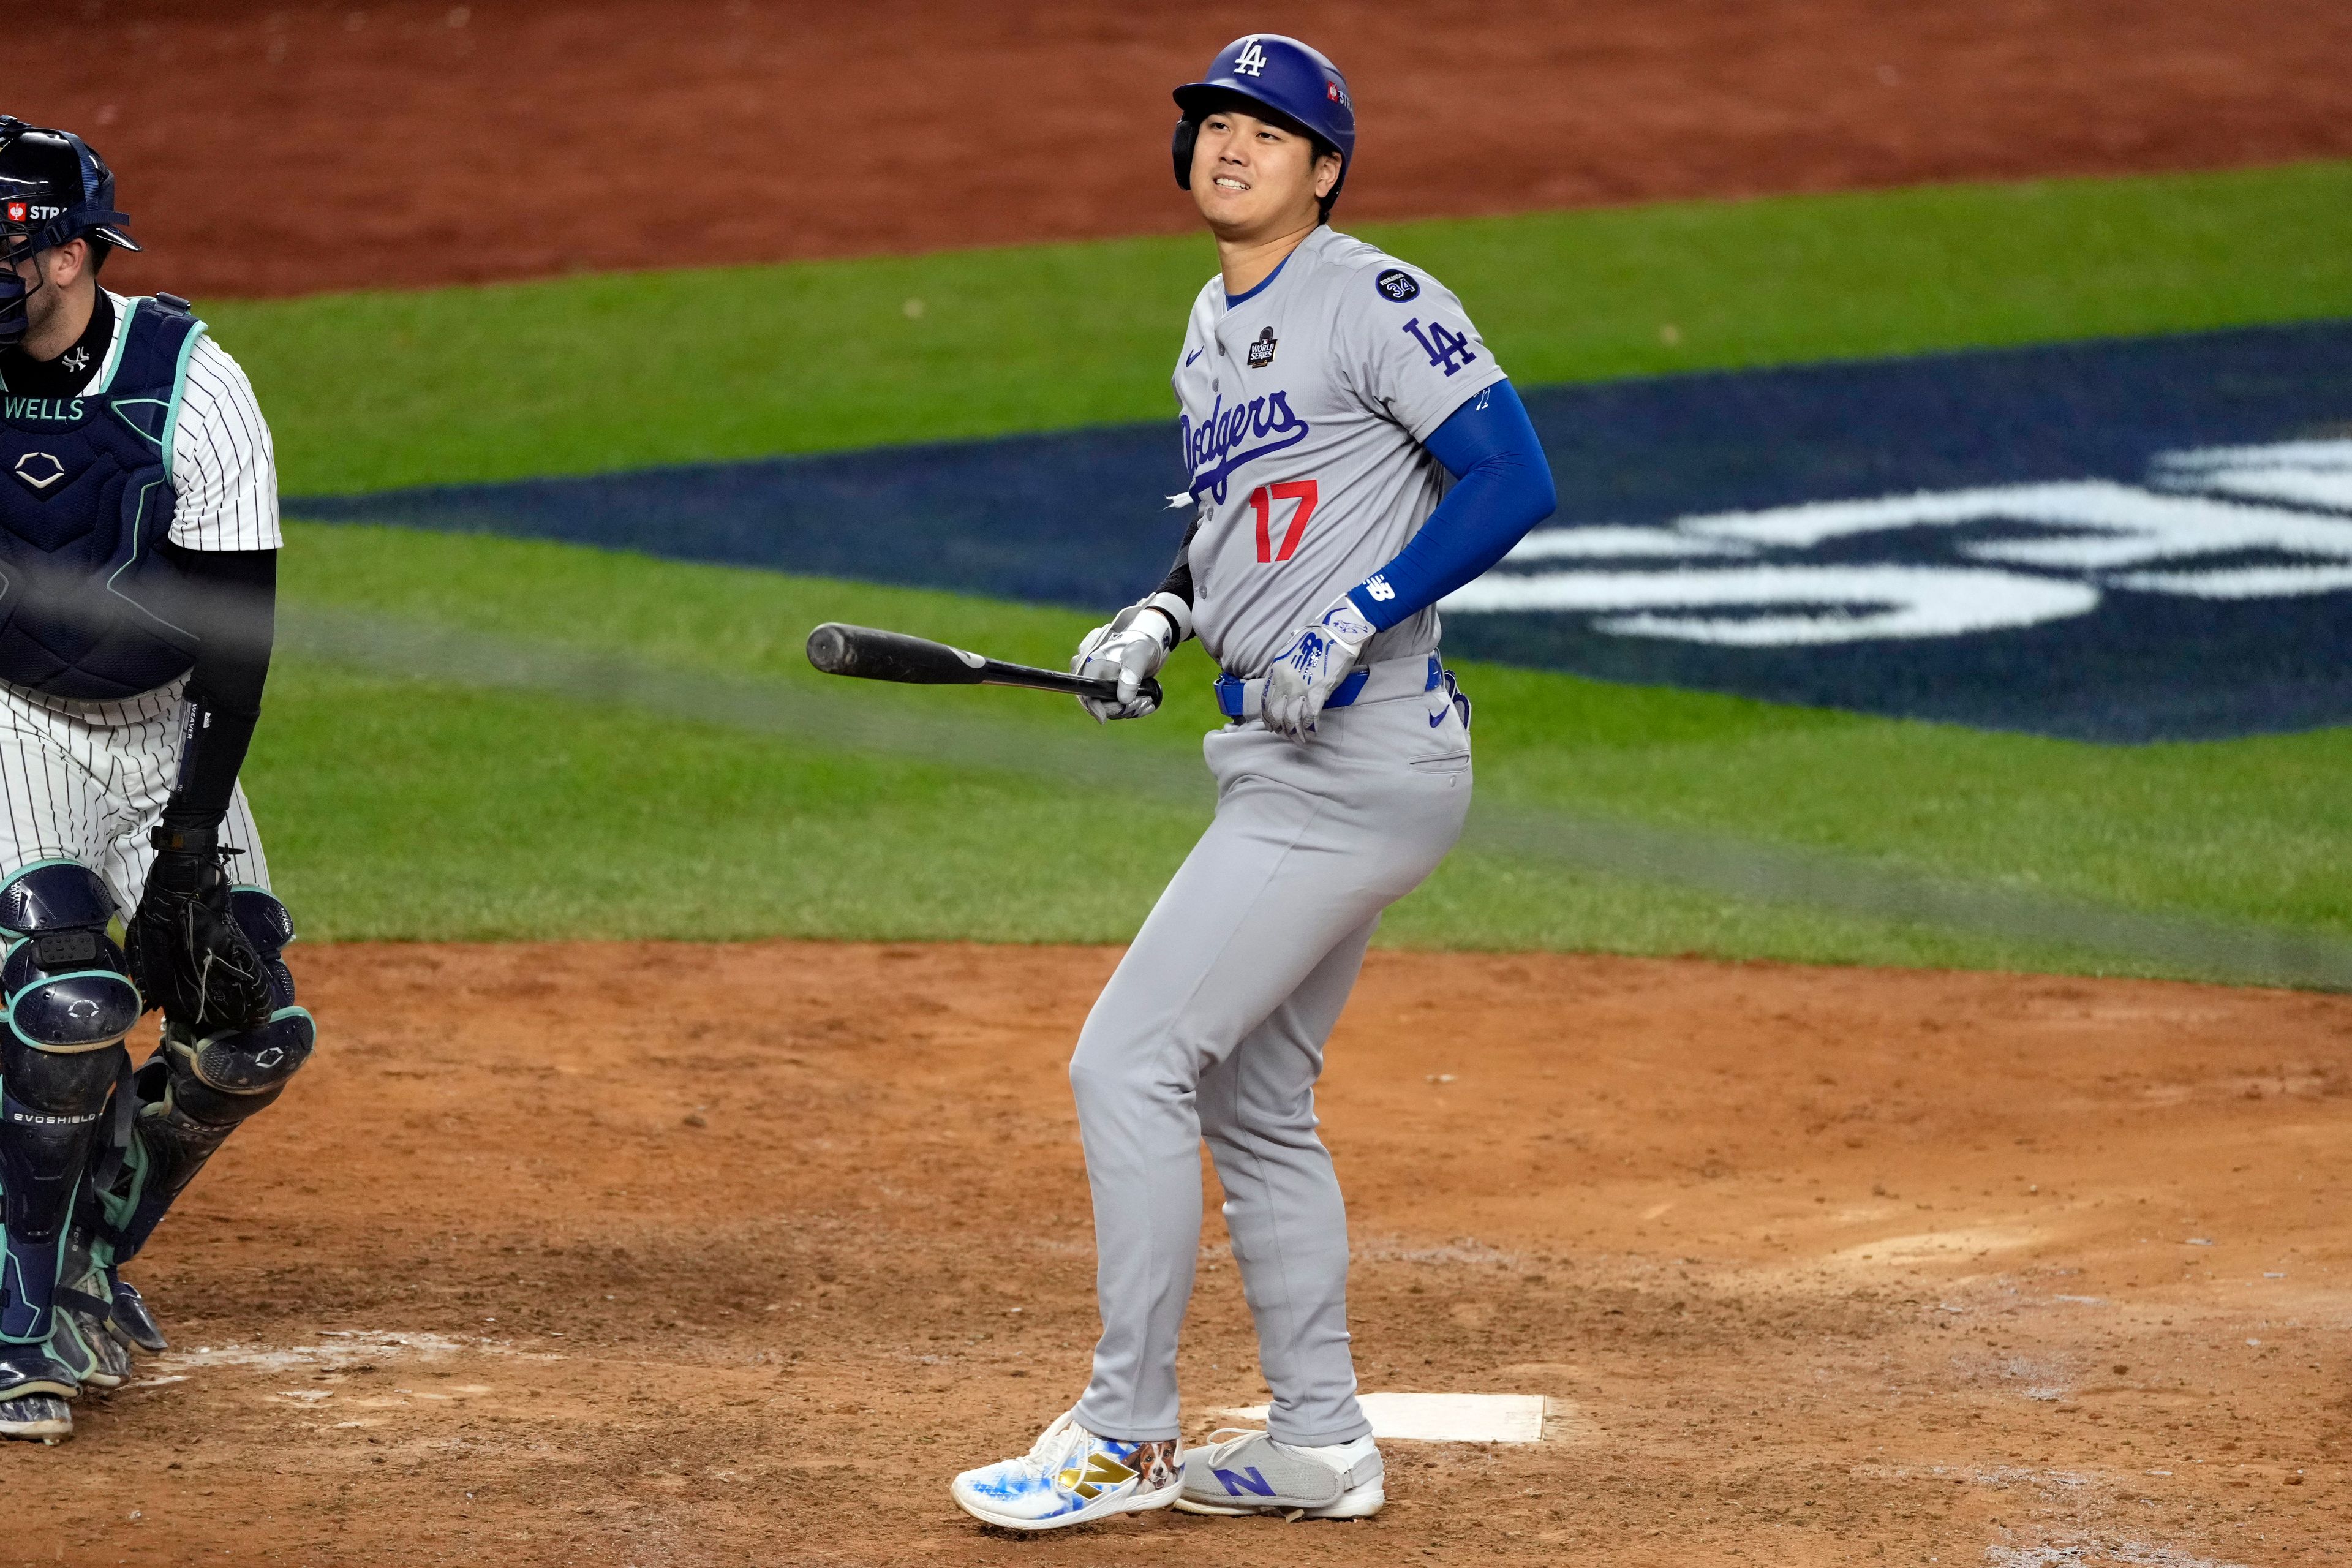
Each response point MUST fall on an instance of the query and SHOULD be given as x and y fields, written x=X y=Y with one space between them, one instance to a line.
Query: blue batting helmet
x=1285 y=79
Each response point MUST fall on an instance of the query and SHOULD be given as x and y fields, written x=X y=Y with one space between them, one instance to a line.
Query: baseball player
x=138 y=569
x=1355 y=455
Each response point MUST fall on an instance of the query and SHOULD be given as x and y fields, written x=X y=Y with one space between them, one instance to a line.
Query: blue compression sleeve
x=1503 y=487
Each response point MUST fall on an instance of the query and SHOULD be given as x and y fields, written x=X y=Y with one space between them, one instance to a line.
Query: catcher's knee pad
x=66 y=985
x=194 y=1091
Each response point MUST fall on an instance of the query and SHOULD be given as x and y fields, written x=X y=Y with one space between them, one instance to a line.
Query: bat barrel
x=871 y=654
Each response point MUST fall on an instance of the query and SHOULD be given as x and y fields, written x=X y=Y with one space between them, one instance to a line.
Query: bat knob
x=1149 y=690
x=829 y=648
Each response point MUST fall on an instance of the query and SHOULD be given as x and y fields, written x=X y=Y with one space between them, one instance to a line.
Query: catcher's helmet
x=1283 y=79
x=53 y=188
x=64 y=185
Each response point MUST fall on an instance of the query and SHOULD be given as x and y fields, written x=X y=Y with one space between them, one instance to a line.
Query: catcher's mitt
x=187 y=953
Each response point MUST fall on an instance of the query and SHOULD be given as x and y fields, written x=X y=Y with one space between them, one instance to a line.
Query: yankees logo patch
x=1261 y=353
x=75 y=359
x=1397 y=285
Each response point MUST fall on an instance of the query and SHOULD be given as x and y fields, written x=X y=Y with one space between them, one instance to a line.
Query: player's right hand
x=1130 y=649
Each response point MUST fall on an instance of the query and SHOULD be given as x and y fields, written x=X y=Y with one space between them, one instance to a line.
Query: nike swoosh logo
x=1190 y=357
x=1437 y=719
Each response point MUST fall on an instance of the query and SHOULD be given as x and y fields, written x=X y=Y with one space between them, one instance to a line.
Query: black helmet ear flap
x=1188 y=132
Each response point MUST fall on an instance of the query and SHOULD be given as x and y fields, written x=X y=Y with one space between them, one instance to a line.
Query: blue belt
x=1232 y=691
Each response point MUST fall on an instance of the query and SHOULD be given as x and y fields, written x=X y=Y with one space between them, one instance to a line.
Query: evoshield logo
x=39 y=470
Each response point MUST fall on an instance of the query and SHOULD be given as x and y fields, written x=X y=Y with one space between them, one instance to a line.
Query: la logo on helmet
x=1251 y=61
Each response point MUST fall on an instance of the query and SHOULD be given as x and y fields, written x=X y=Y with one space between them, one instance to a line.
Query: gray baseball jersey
x=1305 y=403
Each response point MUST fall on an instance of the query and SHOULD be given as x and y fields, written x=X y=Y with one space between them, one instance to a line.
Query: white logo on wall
x=1251 y=61
x=2217 y=523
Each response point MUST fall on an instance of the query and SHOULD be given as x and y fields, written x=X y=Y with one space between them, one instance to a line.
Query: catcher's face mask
x=20 y=272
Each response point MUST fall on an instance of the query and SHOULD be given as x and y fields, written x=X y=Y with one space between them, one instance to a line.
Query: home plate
x=1443 y=1418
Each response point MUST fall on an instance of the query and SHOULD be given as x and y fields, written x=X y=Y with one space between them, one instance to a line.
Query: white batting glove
x=1310 y=667
x=1131 y=650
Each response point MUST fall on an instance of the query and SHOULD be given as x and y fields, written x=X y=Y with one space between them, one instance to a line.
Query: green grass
x=403 y=808
x=369 y=391
x=400 y=807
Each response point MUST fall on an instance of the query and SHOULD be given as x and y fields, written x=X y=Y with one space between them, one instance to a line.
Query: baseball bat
x=873 y=655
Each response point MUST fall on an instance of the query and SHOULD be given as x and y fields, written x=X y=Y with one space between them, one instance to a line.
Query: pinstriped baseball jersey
x=224 y=469
x=1305 y=403
x=85 y=780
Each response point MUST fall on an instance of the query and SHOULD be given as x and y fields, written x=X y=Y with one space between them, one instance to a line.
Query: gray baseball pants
x=1213 y=1027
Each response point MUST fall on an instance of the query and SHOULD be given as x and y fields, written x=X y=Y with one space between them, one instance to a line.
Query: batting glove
x=1131 y=650
x=1310 y=667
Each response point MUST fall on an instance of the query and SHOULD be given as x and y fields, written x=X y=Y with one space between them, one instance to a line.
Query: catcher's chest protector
x=85 y=500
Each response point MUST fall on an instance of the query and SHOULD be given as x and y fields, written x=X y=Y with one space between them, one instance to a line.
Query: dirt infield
x=609 y=1255
x=269 y=147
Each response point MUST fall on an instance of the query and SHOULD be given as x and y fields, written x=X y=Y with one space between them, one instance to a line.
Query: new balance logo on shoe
x=1249 y=1480
x=1102 y=1471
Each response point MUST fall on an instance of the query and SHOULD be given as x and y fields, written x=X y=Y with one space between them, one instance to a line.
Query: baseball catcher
x=139 y=540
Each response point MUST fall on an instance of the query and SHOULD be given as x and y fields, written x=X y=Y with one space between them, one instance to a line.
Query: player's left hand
x=1310 y=667
x=188 y=955
x=1130 y=649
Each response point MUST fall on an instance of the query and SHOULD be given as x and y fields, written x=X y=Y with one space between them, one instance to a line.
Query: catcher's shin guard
x=70 y=1001
x=192 y=1092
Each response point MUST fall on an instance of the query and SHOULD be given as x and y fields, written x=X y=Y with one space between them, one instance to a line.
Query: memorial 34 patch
x=1397 y=286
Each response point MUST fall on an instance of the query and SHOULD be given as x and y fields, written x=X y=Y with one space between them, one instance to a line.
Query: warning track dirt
x=269 y=148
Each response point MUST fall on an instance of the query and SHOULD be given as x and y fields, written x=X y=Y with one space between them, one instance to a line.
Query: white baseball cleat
x=1244 y=1472
x=1070 y=1476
